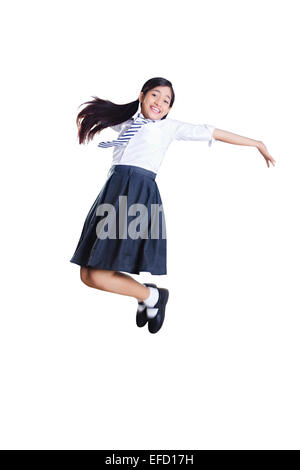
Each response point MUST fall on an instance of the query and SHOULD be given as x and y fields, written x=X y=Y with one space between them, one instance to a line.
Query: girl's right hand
x=264 y=151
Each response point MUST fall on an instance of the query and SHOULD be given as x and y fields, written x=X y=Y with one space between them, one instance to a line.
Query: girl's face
x=156 y=103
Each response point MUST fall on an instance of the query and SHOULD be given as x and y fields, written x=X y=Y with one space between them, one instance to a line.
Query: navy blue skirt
x=125 y=228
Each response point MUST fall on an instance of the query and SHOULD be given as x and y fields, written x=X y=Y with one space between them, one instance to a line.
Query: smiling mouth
x=154 y=110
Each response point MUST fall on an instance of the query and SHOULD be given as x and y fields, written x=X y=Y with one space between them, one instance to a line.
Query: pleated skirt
x=125 y=228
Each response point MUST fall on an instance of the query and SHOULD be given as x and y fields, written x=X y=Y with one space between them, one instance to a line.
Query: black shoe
x=141 y=317
x=155 y=323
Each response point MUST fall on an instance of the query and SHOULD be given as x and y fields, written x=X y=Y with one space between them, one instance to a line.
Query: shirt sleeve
x=187 y=131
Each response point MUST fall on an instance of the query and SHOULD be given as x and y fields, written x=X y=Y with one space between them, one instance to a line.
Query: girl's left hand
x=264 y=151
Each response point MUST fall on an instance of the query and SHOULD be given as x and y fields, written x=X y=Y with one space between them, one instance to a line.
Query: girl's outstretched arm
x=230 y=138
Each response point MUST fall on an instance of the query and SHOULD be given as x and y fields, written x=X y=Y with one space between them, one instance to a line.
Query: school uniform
x=132 y=175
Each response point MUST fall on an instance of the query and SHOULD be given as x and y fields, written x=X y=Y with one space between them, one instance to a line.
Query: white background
x=223 y=372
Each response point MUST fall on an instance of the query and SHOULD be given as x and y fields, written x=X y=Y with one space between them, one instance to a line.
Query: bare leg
x=114 y=281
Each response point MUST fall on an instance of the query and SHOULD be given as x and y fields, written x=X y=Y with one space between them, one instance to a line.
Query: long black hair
x=99 y=114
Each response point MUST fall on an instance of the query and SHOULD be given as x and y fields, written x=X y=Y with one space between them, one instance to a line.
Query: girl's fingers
x=264 y=151
x=270 y=159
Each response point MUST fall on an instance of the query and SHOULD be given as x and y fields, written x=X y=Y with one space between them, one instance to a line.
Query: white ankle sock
x=153 y=297
x=141 y=307
x=151 y=312
x=151 y=301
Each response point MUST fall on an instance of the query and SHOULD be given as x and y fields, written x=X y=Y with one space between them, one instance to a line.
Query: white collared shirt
x=148 y=146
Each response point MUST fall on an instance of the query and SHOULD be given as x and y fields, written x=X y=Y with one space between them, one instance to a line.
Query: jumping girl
x=124 y=231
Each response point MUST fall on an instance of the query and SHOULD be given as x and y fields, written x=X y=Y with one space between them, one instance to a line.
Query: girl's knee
x=84 y=275
x=96 y=277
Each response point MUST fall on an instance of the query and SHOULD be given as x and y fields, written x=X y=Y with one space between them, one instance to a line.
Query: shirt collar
x=139 y=114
